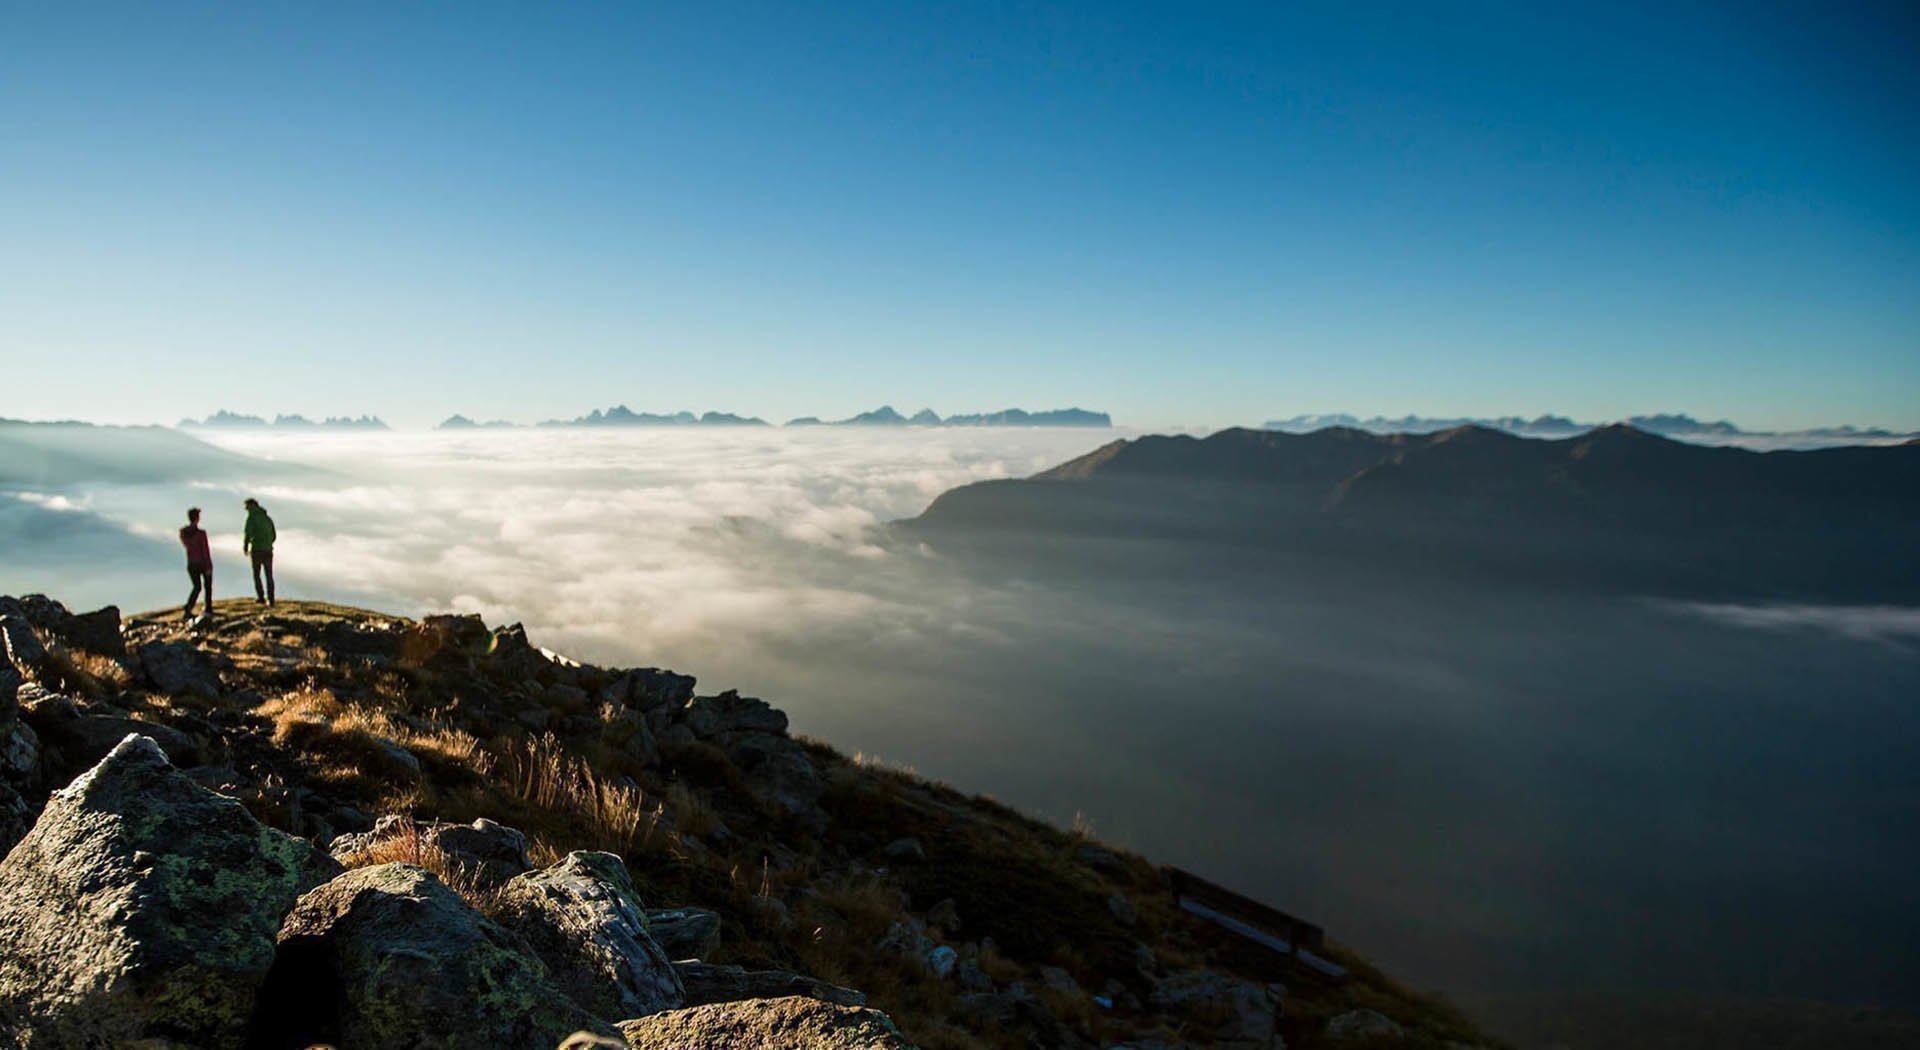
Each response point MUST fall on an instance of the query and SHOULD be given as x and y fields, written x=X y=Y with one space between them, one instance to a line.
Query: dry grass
x=350 y=743
x=408 y=846
x=79 y=671
x=619 y=818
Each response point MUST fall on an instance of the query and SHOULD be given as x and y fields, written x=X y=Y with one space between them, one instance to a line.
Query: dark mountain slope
x=1613 y=507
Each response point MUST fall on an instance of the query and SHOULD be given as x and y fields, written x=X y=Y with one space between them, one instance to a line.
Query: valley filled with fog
x=1504 y=793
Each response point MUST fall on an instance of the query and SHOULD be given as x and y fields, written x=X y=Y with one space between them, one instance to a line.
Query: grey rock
x=785 y=1023
x=649 y=689
x=84 y=736
x=709 y=716
x=1122 y=909
x=22 y=648
x=905 y=851
x=685 y=933
x=37 y=609
x=567 y=699
x=585 y=921
x=941 y=961
x=19 y=751
x=945 y=915
x=489 y=852
x=1059 y=980
x=713 y=983
x=589 y=1041
x=180 y=669
x=409 y=964
x=1364 y=1024
x=1244 y=1011
x=781 y=767
x=510 y=655
x=142 y=905
x=96 y=632
x=971 y=977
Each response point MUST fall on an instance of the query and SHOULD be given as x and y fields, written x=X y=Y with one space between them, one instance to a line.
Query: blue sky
x=1181 y=213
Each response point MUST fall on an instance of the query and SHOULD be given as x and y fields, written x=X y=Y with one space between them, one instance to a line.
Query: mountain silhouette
x=1615 y=507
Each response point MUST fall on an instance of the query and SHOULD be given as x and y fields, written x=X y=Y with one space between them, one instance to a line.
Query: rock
x=19 y=751
x=395 y=762
x=781 y=768
x=685 y=933
x=1364 y=1025
x=711 y=983
x=786 y=1023
x=945 y=915
x=1243 y=1011
x=511 y=655
x=589 y=1041
x=709 y=716
x=970 y=976
x=1122 y=909
x=467 y=632
x=37 y=609
x=180 y=669
x=22 y=648
x=585 y=921
x=648 y=689
x=626 y=728
x=1100 y=859
x=407 y=963
x=534 y=718
x=905 y=851
x=83 y=737
x=142 y=905
x=906 y=937
x=567 y=699
x=96 y=632
x=489 y=852
x=941 y=961
x=1059 y=980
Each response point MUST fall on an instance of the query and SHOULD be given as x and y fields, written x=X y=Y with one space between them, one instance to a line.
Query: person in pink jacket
x=199 y=560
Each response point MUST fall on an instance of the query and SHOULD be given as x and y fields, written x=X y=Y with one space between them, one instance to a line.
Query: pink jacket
x=195 y=541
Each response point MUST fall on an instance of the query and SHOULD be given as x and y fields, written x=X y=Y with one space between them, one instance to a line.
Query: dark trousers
x=200 y=575
x=263 y=559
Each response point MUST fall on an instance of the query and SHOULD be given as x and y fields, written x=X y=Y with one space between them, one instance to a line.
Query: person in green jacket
x=257 y=540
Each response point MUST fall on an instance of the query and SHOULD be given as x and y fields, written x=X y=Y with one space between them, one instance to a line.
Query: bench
x=1290 y=935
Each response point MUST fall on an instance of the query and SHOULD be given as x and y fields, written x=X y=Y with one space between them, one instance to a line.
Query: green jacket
x=259 y=534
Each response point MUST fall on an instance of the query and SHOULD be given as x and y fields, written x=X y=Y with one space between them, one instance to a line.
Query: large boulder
x=790 y=1023
x=585 y=921
x=142 y=905
x=180 y=669
x=95 y=632
x=714 y=983
x=388 y=956
x=647 y=689
x=709 y=716
x=485 y=851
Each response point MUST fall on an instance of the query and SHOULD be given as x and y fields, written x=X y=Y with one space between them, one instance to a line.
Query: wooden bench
x=1290 y=935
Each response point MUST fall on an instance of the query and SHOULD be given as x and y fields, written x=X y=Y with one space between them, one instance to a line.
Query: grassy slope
x=312 y=690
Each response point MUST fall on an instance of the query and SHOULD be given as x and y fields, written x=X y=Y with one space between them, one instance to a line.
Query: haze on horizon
x=1178 y=215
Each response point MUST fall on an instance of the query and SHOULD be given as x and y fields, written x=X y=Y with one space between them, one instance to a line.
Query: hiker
x=257 y=540
x=199 y=561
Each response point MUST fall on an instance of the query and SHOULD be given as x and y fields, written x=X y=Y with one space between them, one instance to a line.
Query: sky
x=1183 y=214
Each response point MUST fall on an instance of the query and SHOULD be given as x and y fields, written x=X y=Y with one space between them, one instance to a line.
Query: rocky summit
x=312 y=826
